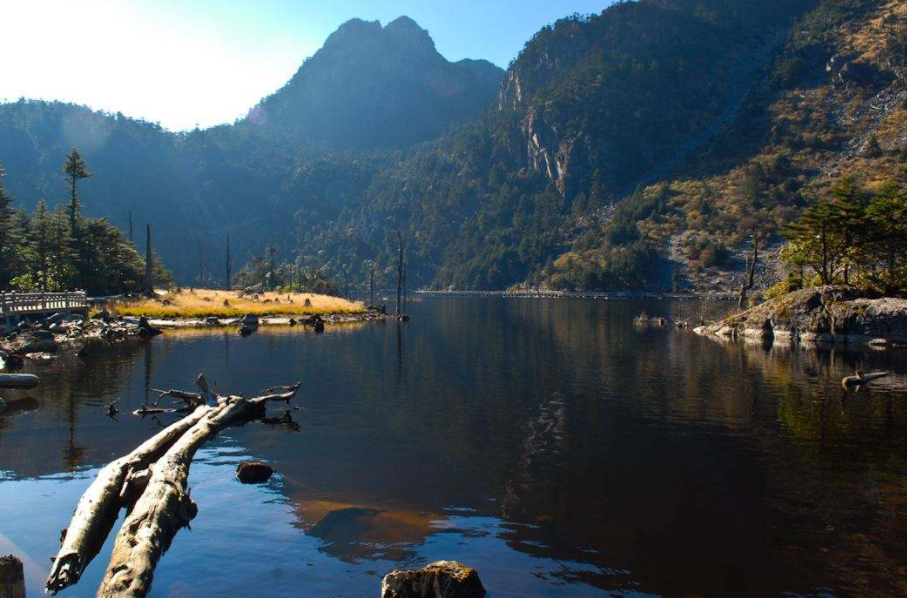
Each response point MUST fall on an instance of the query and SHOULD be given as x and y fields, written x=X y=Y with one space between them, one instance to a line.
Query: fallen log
x=859 y=379
x=165 y=506
x=18 y=381
x=100 y=504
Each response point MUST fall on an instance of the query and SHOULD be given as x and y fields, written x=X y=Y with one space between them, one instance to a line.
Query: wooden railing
x=35 y=303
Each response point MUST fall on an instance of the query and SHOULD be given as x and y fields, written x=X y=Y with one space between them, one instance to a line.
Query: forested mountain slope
x=642 y=147
x=639 y=148
x=301 y=156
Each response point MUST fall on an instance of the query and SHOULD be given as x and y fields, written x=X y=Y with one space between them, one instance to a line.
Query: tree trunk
x=229 y=264
x=399 y=272
x=149 y=264
x=165 y=506
x=100 y=504
x=749 y=280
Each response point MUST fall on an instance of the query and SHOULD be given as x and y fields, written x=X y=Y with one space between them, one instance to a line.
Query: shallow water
x=552 y=444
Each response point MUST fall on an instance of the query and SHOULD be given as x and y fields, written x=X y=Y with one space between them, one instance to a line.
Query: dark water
x=551 y=444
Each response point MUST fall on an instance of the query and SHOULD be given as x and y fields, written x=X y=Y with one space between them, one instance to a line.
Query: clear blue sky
x=203 y=62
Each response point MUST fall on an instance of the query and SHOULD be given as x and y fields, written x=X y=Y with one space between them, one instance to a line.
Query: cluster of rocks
x=68 y=331
x=830 y=314
x=251 y=321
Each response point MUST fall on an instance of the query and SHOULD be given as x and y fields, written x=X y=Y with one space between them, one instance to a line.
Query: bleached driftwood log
x=100 y=504
x=165 y=506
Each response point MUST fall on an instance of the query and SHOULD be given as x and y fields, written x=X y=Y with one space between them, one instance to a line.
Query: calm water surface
x=551 y=444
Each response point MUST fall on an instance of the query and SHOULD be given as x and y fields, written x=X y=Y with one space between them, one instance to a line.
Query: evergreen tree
x=848 y=205
x=886 y=217
x=819 y=240
x=8 y=241
x=75 y=170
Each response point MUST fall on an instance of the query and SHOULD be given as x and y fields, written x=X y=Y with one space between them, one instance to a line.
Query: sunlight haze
x=203 y=63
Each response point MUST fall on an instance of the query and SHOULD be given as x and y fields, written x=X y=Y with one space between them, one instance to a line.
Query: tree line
x=852 y=238
x=59 y=249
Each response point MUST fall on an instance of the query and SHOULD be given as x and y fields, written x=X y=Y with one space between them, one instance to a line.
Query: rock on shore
x=828 y=314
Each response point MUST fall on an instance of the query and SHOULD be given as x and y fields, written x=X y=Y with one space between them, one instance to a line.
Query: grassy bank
x=202 y=303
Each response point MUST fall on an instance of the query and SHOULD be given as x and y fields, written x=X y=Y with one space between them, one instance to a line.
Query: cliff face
x=627 y=90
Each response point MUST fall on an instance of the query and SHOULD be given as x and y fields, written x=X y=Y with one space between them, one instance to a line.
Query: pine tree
x=75 y=170
x=848 y=205
x=819 y=240
x=8 y=241
x=886 y=217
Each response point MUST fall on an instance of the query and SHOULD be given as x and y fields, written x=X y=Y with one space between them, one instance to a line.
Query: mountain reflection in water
x=552 y=444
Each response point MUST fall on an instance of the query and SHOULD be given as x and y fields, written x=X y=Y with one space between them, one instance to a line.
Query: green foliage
x=42 y=252
x=852 y=239
x=8 y=237
x=783 y=287
x=288 y=277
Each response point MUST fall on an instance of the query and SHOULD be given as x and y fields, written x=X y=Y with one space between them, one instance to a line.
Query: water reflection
x=552 y=444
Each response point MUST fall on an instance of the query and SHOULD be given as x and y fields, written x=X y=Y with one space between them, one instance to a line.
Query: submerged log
x=18 y=381
x=98 y=508
x=859 y=379
x=165 y=506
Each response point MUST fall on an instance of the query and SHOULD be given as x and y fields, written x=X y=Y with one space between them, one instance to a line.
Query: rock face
x=822 y=314
x=442 y=579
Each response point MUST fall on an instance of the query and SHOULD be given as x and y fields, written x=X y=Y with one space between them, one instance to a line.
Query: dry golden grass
x=202 y=303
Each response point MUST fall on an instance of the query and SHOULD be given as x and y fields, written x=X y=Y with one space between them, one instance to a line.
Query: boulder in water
x=442 y=579
x=254 y=472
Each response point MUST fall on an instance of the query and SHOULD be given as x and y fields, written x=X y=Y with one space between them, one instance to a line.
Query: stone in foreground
x=442 y=579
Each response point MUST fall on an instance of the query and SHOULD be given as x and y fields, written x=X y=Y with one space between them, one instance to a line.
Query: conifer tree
x=7 y=237
x=75 y=170
x=848 y=205
x=886 y=217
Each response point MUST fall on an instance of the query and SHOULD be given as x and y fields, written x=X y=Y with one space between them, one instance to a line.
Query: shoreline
x=606 y=295
x=269 y=320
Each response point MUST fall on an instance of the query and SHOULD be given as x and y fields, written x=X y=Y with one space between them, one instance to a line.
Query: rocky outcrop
x=32 y=341
x=442 y=579
x=822 y=315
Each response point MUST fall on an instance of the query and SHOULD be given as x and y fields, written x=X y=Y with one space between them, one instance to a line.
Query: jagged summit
x=372 y=86
x=405 y=24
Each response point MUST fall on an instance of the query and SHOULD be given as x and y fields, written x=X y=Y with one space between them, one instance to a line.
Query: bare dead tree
x=149 y=261
x=371 y=284
x=399 y=272
x=749 y=278
x=229 y=263
x=201 y=266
